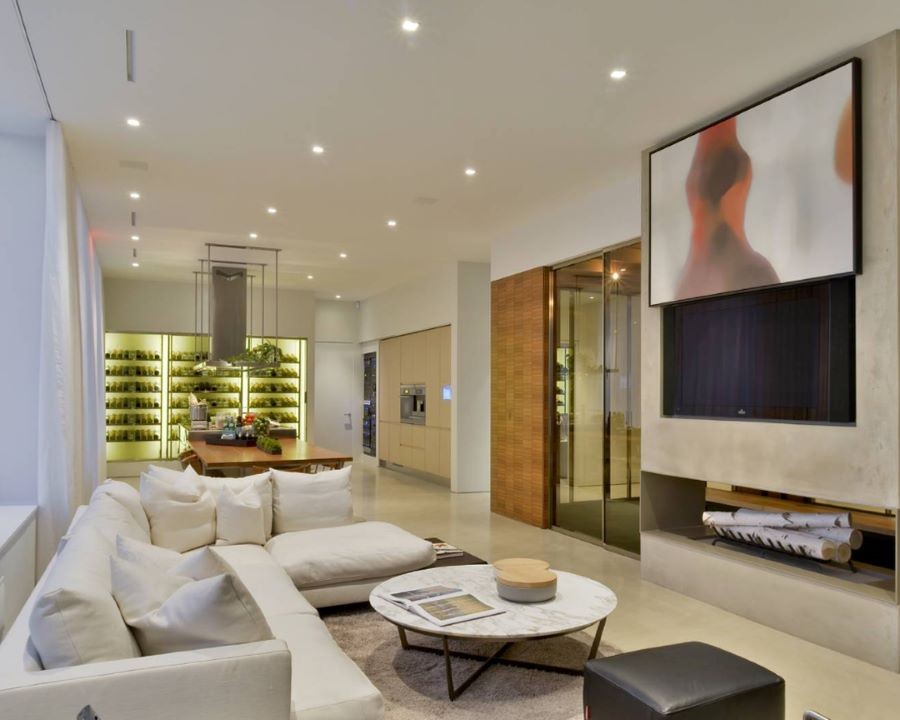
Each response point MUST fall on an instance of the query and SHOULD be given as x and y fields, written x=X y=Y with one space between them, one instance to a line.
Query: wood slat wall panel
x=520 y=408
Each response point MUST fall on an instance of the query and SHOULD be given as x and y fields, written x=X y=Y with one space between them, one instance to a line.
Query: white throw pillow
x=182 y=512
x=128 y=497
x=239 y=518
x=76 y=620
x=260 y=482
x=301 y=501
x=169 y=613
x=196 y=564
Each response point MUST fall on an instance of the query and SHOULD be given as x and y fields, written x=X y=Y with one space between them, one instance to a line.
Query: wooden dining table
x=295 y=454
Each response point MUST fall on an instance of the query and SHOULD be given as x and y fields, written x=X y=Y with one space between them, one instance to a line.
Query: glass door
x=596 y=483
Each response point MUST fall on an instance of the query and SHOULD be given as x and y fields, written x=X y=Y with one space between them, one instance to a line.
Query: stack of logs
x=822 y=536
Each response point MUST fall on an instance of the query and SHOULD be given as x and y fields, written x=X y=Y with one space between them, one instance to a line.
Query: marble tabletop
x=579 y=603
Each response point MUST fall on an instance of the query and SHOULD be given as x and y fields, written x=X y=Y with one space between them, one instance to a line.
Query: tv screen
x=778 y=354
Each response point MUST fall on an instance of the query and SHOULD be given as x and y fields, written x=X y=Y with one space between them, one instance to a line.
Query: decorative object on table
x=442 y=604
x=269 y=445
x=229 y=428
x=525 y=580
x=199 y=413
x=765 y=196
x=87 y=713
x=820 y=536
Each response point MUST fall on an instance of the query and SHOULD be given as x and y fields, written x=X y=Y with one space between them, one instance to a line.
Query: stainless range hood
x=229 y=299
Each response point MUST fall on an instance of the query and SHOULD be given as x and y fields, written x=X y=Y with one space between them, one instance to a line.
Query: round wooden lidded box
x=525 y=580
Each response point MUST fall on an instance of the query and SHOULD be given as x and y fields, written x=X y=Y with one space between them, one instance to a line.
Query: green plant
x=264 y=354
x=261 y=426
x=268 y=445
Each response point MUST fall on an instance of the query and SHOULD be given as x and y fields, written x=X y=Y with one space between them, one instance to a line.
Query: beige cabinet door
x=417 y=437
x=433 y=451
x=384 y=441
x=433 y=377
x=444 y=453
x=444 y=376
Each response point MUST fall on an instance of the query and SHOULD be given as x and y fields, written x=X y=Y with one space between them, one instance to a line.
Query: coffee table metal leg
x=404 y=643
x=455 y=692
x=596 y=644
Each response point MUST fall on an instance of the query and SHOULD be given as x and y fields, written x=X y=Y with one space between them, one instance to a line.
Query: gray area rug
x=414 y=683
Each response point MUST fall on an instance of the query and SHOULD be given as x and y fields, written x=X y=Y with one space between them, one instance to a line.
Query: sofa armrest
x=235 y=682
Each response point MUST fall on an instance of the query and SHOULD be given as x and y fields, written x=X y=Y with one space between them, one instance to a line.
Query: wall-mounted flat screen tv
x=767 y=196
x=784 y=353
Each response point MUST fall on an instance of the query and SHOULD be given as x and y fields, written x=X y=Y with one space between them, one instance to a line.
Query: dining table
x=295 y=455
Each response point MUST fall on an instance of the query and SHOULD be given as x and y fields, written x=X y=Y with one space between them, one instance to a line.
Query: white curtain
x=70 y=453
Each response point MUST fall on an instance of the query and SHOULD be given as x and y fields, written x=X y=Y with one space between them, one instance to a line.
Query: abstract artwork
x=766 y=196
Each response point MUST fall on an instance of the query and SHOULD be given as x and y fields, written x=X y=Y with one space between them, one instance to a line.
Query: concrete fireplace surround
x=857 y=464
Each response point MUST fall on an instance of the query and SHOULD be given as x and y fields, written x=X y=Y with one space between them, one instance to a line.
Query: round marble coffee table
x=579 y=603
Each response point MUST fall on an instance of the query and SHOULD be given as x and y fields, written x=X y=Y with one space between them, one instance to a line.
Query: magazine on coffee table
x=442 y=605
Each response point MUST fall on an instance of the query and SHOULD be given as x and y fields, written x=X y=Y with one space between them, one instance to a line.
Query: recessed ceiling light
x=590 y=297
x=343 y=256
x=409 y=25
x=392 y=223
x=133 y=122
x=618 y=74
x=318 y=149
x=615 y=276
x=134 y=195
x=471 y=172
x=135 y=264
x=134 y=259
x=272 y=210
x=253 y=236
x=337 y=297
x=310 y=277
x=135 y=237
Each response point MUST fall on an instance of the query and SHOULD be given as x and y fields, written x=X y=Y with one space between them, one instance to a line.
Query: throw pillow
x=76 y=620
x=260 y=482
x=128 y=497
x=195 y=564
x=301 y=501
x=169 y=613
x=239 y=518
x=110 y=518
x=182 y=512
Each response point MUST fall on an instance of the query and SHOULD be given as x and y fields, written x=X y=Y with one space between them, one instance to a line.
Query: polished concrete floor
x=833 y=684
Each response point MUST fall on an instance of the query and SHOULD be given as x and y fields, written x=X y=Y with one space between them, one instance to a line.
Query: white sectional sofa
x=301 y=674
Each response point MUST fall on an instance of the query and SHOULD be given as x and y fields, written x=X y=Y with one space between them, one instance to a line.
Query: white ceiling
x=22 y=107
x=233 y=93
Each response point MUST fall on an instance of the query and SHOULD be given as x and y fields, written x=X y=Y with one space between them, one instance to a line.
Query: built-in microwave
x=412 y=404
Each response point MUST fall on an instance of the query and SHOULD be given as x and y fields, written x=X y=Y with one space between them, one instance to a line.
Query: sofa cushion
x=182 y=511
x=301 y=501
x=76 y=619
x=325 y=683
x=128 y=497
x=195 y=564
x=110 y=518
x=172 y=613
x=269 y=584
x=261 y=482
x=349 y=552
x=239 y=518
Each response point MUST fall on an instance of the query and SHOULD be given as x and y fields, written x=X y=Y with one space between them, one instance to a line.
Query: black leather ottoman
x=690 y=681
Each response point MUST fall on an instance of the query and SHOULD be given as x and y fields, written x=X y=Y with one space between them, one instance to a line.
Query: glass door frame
x=552 y=426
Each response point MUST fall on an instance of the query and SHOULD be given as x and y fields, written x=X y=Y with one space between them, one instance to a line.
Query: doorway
x=596 y=385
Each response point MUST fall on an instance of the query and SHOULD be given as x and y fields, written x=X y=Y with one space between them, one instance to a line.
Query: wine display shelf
x=154 y=375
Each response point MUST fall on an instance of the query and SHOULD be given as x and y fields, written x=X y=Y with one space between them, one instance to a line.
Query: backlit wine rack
x=150 y=377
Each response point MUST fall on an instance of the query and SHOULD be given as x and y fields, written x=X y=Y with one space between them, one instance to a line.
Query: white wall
x=21 y=245
x=591 y=220
x=417 y=305
x=471 y=412
x=458 y=295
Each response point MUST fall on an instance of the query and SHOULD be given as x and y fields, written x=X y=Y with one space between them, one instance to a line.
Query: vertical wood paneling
x=520 y=407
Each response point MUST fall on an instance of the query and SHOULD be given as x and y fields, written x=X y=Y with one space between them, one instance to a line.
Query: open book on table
x=442 y=605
